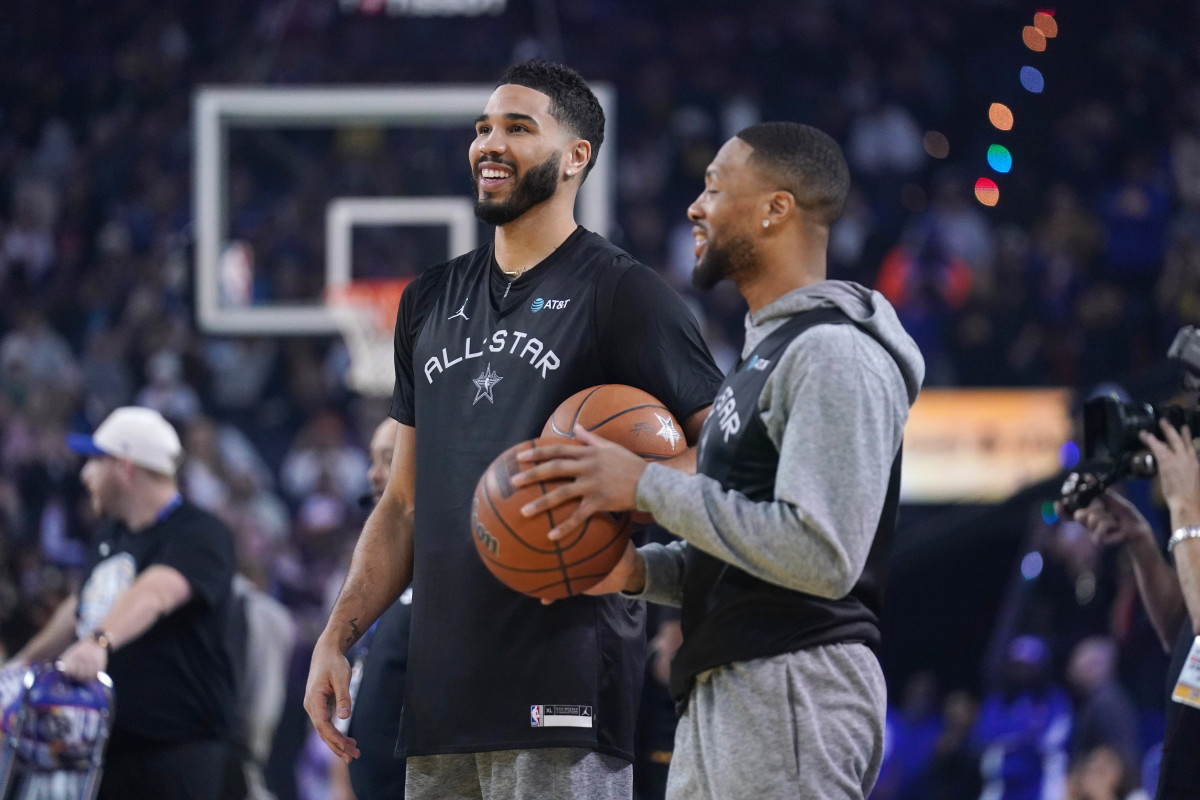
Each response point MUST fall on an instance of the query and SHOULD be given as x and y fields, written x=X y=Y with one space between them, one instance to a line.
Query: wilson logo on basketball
x=486 y=540
x=489 y=542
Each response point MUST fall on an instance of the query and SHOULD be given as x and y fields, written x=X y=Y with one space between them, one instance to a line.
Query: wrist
x=1182 y=534
x=1184 y=513
x=104 y=639
x=636 y=584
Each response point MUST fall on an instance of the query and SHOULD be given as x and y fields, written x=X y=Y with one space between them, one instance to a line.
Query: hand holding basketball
x=605 y=478
x=514 y=546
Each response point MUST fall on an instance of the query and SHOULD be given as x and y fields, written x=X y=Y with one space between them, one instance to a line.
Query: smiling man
x=785 y=524
x=486 y=347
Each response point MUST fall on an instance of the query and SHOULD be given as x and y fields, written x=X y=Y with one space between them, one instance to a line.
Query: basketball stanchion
x=54 y=735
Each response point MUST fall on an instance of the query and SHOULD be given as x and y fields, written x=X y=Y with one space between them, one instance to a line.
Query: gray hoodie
x=835 y=407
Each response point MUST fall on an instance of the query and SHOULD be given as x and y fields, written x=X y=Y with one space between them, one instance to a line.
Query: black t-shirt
x=173 y=683
x=481 y=365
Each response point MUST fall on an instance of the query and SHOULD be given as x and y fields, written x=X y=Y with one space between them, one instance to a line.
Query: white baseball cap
x=137 y=434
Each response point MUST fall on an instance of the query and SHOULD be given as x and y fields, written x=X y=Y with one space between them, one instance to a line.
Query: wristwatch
x=104 y=638
x=1186 y=532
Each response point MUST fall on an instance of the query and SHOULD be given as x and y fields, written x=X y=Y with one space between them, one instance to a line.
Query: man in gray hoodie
x=786 y=519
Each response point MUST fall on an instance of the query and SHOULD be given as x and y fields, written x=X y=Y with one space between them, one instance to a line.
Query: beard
x=537 y=186
x=735 y=259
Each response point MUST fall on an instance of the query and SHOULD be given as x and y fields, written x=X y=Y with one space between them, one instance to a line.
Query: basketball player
x=786 y=524
x=487 y=345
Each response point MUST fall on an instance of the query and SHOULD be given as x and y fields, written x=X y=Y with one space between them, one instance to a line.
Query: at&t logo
x=549 y=305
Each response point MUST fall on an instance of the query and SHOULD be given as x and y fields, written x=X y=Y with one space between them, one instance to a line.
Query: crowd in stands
x=1081 y=273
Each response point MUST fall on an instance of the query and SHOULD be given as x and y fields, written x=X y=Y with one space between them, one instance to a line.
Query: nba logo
x=535 y=716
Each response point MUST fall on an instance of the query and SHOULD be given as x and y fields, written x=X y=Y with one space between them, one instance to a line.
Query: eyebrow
x=512 y=116
x=711 y=172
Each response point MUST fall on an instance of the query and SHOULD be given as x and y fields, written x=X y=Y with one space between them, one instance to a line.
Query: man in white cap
x=152 y=613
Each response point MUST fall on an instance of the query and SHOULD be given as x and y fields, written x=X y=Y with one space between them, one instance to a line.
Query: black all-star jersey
x=481 y=365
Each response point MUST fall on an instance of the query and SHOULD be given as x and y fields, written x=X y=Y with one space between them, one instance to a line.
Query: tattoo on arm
x=355 y=633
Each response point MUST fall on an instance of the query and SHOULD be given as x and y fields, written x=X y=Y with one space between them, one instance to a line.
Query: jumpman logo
x=462 y=312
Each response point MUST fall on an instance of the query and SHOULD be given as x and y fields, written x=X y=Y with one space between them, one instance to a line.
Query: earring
x=766 y=223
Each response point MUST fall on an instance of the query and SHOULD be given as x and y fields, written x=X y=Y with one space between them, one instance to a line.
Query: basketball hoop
x=366 y=314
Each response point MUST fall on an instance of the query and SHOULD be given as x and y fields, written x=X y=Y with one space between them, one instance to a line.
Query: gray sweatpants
x=806 y=725
x=556 y=773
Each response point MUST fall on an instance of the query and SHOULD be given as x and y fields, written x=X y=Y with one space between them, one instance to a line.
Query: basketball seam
x=543 y=588
x=487 y=494
x=558 y=548
x=623 y=411
x=579 y=409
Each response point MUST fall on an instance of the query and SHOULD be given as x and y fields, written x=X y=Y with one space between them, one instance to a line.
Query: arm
x=837 y=421
x=1111 y=519
x=835 y=407
x=52 y=639
x=1179 y=473
x=380 y=568
x=158 y=591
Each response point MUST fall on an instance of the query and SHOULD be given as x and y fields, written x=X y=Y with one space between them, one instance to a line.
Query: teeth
x=493 y=173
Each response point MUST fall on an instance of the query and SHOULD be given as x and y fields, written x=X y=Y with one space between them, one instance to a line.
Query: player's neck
x=528 y=240
x=784 y=267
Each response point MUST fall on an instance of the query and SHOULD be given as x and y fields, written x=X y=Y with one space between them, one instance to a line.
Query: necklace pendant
x=506 y=288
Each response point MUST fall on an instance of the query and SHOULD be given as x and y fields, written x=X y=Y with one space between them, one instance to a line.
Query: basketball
x=634 y=419
x=515 y=548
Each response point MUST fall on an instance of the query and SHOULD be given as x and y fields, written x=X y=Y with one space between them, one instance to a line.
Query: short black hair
x=807 y=162
x=572 y=102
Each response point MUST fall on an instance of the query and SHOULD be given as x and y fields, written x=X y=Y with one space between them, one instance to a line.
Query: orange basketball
x=515 y=548
x=634 y=419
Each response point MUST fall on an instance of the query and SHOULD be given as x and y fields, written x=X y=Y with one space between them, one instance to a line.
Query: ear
x=576 y=158
x=779 y=207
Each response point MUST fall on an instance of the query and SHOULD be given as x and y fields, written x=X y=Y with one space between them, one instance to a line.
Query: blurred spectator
x=1102 y=774
x=166 y=391
x=320 y=455
x=1023 y=728
x=954 y=769
x=884 y=139
x=913 y=729
x=1104 y=714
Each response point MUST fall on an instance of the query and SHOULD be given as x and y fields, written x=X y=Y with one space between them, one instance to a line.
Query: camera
x=1111 y=427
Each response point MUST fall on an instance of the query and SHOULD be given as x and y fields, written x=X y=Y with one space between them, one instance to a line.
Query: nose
x=491 y=142
x=695 y=212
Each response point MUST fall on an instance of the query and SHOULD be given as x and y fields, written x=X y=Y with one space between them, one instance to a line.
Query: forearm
x=54 y=638
x=380 y=569
x=1187 y=557
x=158 y=591
x=1159 y=588
x=836 y=421
x=770 y=540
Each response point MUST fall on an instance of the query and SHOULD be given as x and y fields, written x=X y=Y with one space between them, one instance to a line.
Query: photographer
x=1172 y=597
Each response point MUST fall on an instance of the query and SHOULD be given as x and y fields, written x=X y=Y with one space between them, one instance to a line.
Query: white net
x=372 y=368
